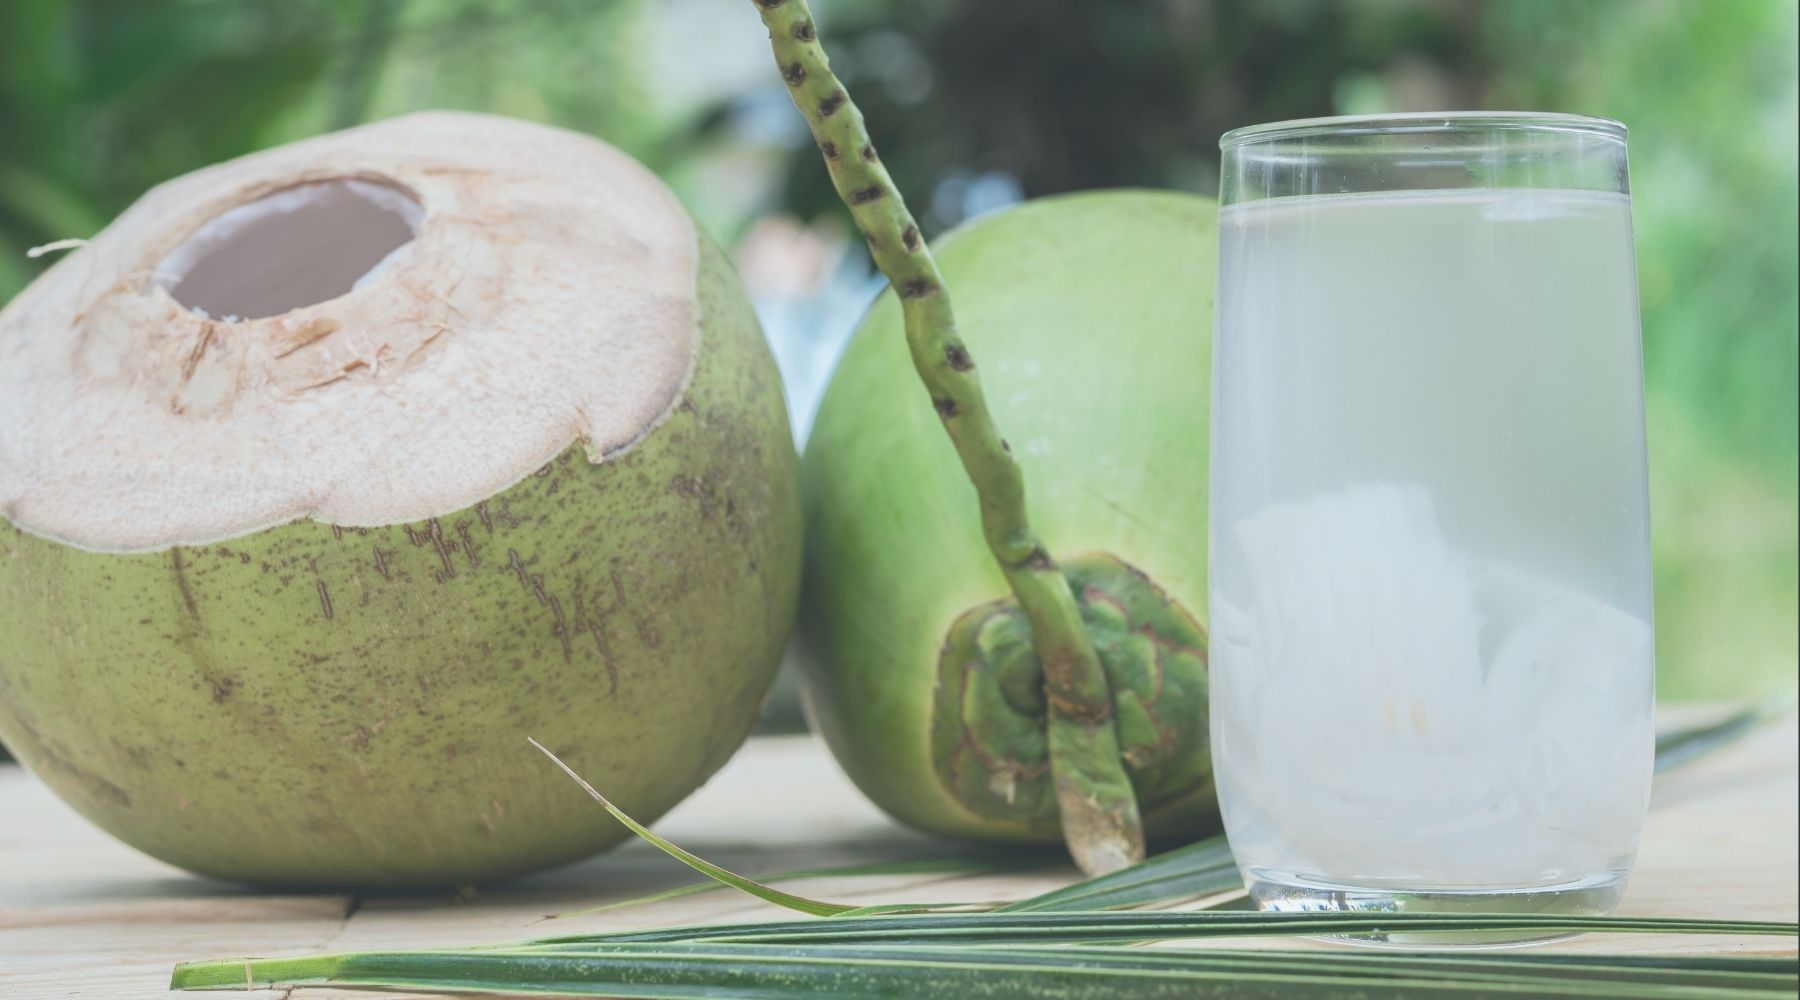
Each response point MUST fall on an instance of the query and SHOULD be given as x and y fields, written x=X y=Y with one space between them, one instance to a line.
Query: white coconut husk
x=546 y=296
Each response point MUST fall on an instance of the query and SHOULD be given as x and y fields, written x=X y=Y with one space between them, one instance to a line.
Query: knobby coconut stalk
x=1098 y=806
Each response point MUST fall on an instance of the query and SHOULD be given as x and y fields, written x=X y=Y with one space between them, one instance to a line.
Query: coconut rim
x=125 y=260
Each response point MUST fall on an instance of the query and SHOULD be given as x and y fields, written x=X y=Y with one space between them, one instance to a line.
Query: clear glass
x=1431 y=637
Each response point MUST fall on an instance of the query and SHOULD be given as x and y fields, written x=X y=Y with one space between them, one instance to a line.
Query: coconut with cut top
x=329 y=474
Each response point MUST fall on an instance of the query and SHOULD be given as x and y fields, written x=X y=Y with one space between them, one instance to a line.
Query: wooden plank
x=83 y=916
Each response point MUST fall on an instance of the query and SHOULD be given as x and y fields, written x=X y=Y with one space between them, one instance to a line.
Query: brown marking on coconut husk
x=468 y=544
x=179 y=567
x=208 y=379
x=534 y=584
x=308 y=333
x=517 y=564
x=433 y=535
x=597 y=628
x=204 y=341
x=697 y=489
x=597 y=619
x=559 y=627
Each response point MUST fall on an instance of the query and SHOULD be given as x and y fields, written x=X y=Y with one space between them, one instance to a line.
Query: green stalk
x=1098 y=805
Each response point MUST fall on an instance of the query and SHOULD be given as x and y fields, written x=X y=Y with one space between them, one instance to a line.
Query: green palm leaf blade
x=1139 y=926
x=1201 y=869
x=1008 y=953
x=1685 y=744
x=1204 y=868
x=675 y=970
x=1198 y=870
x=917 y=866
x=815 y=907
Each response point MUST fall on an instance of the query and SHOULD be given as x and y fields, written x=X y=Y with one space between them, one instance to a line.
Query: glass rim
x=1425 y=122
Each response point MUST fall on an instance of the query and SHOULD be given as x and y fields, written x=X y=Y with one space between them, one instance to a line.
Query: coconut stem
x=1098 y=805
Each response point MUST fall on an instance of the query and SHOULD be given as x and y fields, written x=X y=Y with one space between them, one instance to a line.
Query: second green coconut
x=1089 y=315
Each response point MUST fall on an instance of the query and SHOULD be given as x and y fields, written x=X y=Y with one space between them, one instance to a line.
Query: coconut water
x=1430 y=587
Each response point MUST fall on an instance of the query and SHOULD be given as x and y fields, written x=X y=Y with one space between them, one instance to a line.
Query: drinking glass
x=1430 y=600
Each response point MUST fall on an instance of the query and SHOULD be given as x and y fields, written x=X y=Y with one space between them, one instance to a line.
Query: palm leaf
x=1086 y=927
x=815 y=907
x=918 y=866
x=1686 y=744
x=781 y=971
x=1204 y=868
x=1198 y=870
x=1004 y=953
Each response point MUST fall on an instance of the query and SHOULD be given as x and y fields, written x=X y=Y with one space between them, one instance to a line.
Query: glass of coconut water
x=1430 y=536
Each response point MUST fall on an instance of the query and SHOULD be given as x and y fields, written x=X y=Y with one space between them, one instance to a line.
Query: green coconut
x=1090 y=315
x=330 y=474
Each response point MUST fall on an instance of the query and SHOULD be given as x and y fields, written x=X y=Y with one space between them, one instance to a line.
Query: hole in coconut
x=299 y=246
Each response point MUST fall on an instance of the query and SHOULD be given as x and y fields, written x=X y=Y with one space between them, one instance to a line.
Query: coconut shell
x=282 y=598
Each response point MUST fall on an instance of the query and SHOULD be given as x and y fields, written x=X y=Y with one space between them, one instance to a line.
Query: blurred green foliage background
x=977 y=102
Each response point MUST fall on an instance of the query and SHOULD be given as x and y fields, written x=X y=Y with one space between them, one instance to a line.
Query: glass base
x=1596 y=895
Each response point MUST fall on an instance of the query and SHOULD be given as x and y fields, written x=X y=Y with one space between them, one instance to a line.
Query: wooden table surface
x=84 y=916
